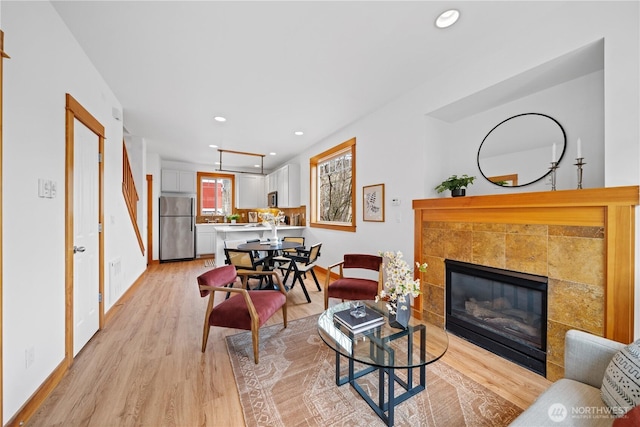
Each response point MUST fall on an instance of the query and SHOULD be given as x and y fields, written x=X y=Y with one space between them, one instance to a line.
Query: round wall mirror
x=519 y=150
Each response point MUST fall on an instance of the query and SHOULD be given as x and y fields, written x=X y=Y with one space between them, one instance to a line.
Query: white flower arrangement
x=399 y=281
x=271 y=219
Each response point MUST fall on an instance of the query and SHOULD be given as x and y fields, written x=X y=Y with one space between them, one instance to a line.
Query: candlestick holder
x=554 y=166
x=579 y=163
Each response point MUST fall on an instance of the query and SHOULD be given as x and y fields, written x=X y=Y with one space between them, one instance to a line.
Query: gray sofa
x=575 y=399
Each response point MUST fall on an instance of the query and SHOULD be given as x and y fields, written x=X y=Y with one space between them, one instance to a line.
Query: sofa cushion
x=621 y=384
x=586 y=356
x=566 y=403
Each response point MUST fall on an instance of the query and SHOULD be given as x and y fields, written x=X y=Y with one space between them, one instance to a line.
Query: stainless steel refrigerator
x=177 y=228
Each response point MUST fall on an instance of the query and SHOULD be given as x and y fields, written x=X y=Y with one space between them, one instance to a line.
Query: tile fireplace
x=500 y=310
x=582 y=241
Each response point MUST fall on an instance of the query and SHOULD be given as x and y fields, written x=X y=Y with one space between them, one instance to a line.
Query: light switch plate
x=44 y=188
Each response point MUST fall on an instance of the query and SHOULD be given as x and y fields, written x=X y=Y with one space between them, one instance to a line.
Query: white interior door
x=86 y=311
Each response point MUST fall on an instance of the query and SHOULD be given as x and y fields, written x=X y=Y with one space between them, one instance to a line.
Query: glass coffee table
x=384 y=349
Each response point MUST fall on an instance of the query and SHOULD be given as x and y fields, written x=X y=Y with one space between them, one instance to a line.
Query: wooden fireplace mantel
x=611 y=208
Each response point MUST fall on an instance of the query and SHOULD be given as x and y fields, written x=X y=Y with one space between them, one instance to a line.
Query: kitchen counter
x=227 y=228
x=217 y=233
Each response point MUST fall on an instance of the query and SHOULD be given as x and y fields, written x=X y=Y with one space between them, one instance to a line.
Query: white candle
x=553 y=152
x=579 y=148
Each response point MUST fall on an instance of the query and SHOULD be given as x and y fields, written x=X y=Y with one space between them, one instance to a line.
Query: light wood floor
x=145 y=368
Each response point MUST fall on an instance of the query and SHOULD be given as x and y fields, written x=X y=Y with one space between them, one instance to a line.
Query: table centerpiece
x=273 y=218
x=399 y=287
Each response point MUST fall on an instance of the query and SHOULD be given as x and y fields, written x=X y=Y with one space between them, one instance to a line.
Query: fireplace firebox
x=502 y=311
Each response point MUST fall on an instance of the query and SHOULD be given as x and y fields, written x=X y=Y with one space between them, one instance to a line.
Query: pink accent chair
x=247 y=309
x=353 y=288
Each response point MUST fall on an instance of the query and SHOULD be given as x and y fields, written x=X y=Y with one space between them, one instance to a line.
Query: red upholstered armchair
x=353 y=288
x=246 y=309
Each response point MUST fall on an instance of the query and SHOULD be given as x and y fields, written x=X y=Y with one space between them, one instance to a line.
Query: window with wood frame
x=215 y=193
x=333 y=180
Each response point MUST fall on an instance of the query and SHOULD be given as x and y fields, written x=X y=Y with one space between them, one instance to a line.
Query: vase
x=400 y=319
x=274 y=233
x=458 y=192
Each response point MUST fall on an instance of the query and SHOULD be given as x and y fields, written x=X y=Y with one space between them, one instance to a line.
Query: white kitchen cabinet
x=286 y=181
x=272 y=181
x=177 y=181
x=205 y=240
x=250 y=191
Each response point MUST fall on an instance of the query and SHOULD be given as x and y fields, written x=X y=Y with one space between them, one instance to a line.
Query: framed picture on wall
x=373 y=203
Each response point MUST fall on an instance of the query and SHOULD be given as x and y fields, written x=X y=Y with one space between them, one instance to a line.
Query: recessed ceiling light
x=299 y=132
x=272 y=153
x=219 y=119
x=213 y=146
x=447 y=18
x=256 y=166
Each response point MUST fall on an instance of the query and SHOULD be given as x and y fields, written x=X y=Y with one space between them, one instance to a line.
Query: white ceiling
x=272 y=68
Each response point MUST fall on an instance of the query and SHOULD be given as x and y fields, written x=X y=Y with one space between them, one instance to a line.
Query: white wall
x=46 y=62
x=578 y=105
x=392 y=148
x=411 y=153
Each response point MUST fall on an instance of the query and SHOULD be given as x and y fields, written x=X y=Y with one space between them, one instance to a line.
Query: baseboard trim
x=38 y=397
x=323 y=270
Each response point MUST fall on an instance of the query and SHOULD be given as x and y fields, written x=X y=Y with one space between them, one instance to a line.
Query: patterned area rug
x=210 y=262
x=294 y=385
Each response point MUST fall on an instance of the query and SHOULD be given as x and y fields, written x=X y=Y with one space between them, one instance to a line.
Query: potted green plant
x=456 y=184
x=233 y=217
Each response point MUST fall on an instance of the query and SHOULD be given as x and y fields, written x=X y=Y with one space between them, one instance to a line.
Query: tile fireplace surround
x=582 y=240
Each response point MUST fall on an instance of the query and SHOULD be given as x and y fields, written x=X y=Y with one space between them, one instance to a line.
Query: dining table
x=271 y=248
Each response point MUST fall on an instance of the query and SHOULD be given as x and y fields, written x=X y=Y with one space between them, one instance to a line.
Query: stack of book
x=356 y=325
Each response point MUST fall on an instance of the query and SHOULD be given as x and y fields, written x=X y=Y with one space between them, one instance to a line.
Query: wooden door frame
x=149 y=219
x=76 y=111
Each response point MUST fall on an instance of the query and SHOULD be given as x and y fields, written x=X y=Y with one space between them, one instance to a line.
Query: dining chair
x=302 y=262
x=246 y=260
x=247 y=309
x=281 y=261
x=231 y=244
x=353 y=288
